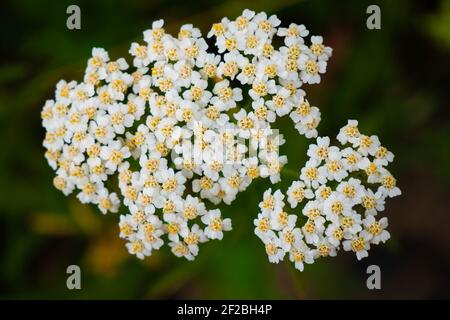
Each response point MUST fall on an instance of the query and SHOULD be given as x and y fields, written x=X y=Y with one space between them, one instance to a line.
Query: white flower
x=180 y=249
x=336 y=205
x=349 y=133
x=99 y=57
x=230 y=66
x=226 y=97
x=170 y=181
x=351 y=223
x=127 y=225
x=389 y=186
x=308 y=126
x=97 y=170
x=324 y=248
x=272 y=202
x=63 y=183
x=150 y=232
x=114 y=153
x=318 y=50
x=175 y=226
x=312 y=175
x=297 y=192
x=367 y=145
x=289 y=236
x=120 y=118
x=101 y=129
x=262 y=88
x=88 y=191
x=311 y=230
x=334 y=165
x=262 y=224
x=300 y=254
x=197 y=92
x=358 y=244
x=320 y=150
x=191 y=208
x=281 y=220
x=280 y=103
x=140 y=53
x=215 y=224
x=243 y=24
x=261 y=111
x=273 y=247
x=353 y=160
x=293 y=30
x=372 y=202
x=137 y=247
x=374 y=230
x=193 y=237
x=248 y=70
x=266 y=24
x=334 y=234
x=383 y=156
x=119 y=83
x=352 y=189
x=311 y=69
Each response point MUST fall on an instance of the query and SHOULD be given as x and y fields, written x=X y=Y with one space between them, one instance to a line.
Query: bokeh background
x=395 y=81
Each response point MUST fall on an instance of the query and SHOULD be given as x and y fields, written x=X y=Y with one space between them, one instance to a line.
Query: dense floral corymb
x=187 y=127
x=169 y=124
x=337 y=198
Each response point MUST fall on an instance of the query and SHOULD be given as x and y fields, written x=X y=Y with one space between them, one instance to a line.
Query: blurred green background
x=395 y=81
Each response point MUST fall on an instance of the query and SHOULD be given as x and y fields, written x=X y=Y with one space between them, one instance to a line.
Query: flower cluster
x=341 y=191
x=172 y=130
x=272 y=77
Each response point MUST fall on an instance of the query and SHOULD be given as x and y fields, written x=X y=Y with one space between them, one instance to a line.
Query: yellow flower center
x=358 y=244
x=311 y=67
x=216 y=224
x=337 y=207
x=317 y=48
x=169 y=185
x=260 y=88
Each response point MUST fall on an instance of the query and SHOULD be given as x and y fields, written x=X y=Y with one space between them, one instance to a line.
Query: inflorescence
x=186 y=128
x=340 y=191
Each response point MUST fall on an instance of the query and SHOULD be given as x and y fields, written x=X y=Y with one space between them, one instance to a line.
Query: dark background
x=395 y=81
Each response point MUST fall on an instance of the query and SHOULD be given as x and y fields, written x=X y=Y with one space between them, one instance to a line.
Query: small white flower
x=318 y=50
x=358 y=244
x=114 y=153
x=137 y=247
x=297 y=192
x=280 y=102
x=273 y=247
x=312 y=175
x=215 y=225
x=120 y=118
x=311 y=69
x=175 y=226
x=336 y=205
x=375 y=230
x=349 y=133
x=300 y=254
x=389 y=186
x=180 y=249
x=193 y=237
